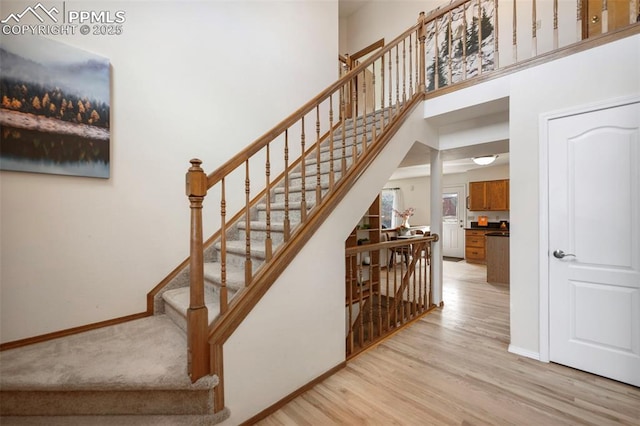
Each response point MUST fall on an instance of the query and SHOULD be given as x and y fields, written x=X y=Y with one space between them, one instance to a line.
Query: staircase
x=174 y=301
x=136 y=371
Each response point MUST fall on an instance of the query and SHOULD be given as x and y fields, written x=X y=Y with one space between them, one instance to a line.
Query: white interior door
x=453 y=211
x=594 y=238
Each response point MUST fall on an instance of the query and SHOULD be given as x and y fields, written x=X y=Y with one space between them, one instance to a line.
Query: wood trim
x=249 y=297
x=365 y=51
x=70 y=331
x=275 y=407
x=543 y=58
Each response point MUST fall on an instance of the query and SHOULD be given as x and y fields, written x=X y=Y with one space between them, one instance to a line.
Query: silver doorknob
x=560 y=254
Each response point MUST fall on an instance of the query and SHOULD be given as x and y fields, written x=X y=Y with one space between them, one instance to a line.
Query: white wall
x=189 y=79
x=551 y=87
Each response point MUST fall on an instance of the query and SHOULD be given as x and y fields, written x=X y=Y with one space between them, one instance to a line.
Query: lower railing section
x=388 y=285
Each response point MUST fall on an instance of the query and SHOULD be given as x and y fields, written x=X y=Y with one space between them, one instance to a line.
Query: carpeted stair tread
x=147 y=353
x=235 y=275
x=134 y=368
x=239 y=247
x=257 y=225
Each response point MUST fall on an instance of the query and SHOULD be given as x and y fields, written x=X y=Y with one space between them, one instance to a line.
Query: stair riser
x=260 y=236
x=310 y=179
x=106 y=402
x=279 y=216
x=296 y=196
x=238 y=259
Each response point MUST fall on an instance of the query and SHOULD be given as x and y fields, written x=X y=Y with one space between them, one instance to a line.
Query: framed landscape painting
x=55 y=108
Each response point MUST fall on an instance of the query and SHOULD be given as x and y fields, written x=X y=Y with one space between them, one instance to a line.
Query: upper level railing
x=455 y=44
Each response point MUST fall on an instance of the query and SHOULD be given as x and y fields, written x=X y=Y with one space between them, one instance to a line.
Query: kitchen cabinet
x=474 y=248
x=491 y=195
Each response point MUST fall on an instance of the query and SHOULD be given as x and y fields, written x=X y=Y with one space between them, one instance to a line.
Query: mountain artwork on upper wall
x=460 y=44
x=54 y=108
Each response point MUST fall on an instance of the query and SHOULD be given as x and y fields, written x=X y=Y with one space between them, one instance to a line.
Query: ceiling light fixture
x=484 y=160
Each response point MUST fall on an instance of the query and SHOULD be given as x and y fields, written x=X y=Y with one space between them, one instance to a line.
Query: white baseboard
x=524 y=352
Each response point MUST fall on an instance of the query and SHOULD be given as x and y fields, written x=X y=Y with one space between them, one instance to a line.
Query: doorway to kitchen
x=453 y=221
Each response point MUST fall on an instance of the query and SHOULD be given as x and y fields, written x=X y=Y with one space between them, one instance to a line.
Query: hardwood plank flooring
x=452 y=368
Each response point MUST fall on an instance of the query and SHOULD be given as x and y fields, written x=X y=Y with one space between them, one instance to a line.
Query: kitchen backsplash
x=491 y=216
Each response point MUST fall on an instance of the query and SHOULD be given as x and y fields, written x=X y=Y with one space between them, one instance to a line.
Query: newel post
x=422 y=36
x=197 y=317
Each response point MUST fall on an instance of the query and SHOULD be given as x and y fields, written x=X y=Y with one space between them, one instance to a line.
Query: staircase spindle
x=382 y=112
x=390 y=85
x=496 y=38
x=480 y=55
x=303 y=194
x=287 y=223
x=422 y=36
x=331 y=157
x=343 y=125
x=514 y=37
x=555 y=25
x=224 y=297
x=534 y=29
x=417 y=61
x=354 y=118
x=370 y=302
x=248 y=273
x=411 y=92
x=449 y=49
x=268 y=248
x=404 y=72
x=374 y=117
x=318 y=185
x=364 y=111
x=397 y=81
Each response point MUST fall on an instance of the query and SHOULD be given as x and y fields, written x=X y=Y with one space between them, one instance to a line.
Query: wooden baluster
x=388 y=300
x=268 y=247
x=436 y=74
x=382 y=113
x=331 y=146
x=417 y=61
x=579 y=32
x=379 y=293
x=411 y=66
x=364 y=110
x=287 y=222
x=496 y=33
x=224 y=298
x=397 y=80
x=371 y=303
x=390 y=85
x=464 y=42
x=374 y=117
x=404 y=72
x=349 y=281
x=422 y=36
x=303 y=195
x=395 y=290
x=450 y=50
x=514 y=37
x=360 y=284
x=354 y=117
x=318 y=175
x=197 y=316
x=480 y=55
x=534 y=29
x=248 y=271
x=343 y=156
x=555 y=24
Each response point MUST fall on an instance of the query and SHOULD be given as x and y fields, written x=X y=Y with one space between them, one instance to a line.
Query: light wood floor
x=452 y=367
